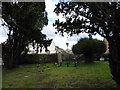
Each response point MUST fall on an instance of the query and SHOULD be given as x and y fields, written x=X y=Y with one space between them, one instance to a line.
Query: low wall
x=37 y=58
x=46 y=58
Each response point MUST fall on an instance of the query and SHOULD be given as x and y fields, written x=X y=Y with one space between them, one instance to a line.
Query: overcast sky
x=49 y=30
x=3 y=32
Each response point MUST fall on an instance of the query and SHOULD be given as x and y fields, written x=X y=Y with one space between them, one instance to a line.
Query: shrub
x=91 y=48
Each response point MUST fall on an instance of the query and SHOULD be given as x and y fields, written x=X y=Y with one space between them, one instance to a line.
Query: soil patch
x=40 y=78
x=14 y=83
x=50 y=84
x=80 y=85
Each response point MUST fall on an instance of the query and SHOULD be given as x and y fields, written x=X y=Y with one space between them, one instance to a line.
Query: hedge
x=37 y=58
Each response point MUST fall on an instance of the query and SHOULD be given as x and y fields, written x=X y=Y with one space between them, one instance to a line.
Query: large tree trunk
x=114 y=50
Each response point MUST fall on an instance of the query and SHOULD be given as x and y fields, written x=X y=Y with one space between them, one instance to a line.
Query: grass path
x=96 y=75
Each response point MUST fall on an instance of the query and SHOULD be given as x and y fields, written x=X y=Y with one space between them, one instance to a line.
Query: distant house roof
x=58 y=48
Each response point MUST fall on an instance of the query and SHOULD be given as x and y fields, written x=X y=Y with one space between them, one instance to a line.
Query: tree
x=25 y=22
x=102 y=18
x=90 y=48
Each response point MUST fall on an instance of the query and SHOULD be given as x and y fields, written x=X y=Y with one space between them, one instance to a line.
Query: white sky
x=3 y=32
x=49 y=30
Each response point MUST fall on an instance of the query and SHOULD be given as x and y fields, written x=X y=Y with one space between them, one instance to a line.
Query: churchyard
x=49 y=75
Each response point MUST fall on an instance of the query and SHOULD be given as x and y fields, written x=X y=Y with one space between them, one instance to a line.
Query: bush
x=91 y=48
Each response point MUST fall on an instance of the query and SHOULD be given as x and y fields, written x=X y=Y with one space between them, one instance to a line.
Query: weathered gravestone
x=59 y=55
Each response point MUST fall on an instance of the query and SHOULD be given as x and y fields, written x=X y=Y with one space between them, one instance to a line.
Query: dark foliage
x=25 y=22
x=91 y=48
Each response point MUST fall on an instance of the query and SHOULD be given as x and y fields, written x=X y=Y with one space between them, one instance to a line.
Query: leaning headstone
x=59 y=55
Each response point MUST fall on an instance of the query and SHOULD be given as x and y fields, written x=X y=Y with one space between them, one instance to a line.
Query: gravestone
x=59 y=56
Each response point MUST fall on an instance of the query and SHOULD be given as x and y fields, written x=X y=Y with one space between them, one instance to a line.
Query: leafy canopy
x=25 y=22
x=92 y=18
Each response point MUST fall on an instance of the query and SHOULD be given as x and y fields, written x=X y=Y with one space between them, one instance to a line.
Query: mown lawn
x=96 y=75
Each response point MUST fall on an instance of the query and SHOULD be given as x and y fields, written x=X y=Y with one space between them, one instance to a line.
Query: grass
x=95 y=75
